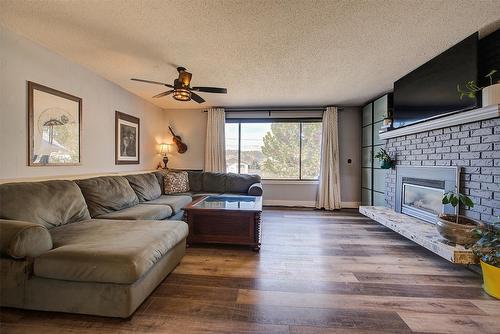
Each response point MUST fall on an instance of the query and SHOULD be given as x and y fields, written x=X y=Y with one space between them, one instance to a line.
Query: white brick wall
x=473 y=146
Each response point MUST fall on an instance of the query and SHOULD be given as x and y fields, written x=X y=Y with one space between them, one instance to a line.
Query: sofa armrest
x=20 y=239
x=255 y=189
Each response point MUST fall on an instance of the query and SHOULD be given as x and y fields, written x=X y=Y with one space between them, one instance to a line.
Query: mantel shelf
x=420 y=232
x=446 y=121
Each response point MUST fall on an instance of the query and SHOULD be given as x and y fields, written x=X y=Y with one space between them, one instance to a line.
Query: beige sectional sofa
x=95 y=246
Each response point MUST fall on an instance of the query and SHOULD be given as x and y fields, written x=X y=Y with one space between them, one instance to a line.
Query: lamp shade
x=182 y=94
x=164 y=148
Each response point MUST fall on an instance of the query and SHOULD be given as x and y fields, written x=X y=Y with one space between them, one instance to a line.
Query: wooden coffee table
x=225 y=219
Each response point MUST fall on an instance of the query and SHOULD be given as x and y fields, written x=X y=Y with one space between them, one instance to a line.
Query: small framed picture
x=54 y=127
x=127 y=134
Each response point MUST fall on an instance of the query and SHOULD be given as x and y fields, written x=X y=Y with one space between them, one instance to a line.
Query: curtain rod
x=247 y=109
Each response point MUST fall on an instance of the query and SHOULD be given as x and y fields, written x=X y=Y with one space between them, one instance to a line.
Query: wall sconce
x=164 y=150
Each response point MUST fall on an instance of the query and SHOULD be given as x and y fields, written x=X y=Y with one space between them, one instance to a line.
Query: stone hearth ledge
x=420 y=232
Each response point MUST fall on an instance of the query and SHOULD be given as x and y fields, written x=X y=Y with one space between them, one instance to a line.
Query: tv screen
x=431 y=90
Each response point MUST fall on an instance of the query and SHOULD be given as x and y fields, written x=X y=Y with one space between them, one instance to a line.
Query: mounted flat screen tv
x=430 y=91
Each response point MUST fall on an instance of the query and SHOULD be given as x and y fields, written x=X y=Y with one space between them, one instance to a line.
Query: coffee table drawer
x=225 y=227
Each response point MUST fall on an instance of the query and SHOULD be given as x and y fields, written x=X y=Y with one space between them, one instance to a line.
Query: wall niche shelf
x=446 y=121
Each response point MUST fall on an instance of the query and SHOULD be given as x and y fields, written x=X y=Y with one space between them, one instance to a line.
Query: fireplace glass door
x=422 y=202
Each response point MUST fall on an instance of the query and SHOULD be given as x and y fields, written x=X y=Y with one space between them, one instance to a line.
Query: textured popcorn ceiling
x=267 y=53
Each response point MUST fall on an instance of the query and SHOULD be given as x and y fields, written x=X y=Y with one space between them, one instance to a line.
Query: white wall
x=284 y=193
x=22 y=60
x=191 y=126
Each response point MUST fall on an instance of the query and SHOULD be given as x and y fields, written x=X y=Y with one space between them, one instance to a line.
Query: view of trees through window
x=274 y=150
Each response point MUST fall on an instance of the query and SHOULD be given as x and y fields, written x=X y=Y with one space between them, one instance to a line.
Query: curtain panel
x=329 y=180
x=215 y=147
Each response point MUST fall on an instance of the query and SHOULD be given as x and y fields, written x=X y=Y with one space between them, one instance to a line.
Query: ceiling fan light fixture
x=182 y=94
x=181 y=89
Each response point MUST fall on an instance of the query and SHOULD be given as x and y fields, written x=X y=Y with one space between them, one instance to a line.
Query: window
x=284 y=150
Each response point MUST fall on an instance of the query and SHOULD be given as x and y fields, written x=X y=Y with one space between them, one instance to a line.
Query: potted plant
x=487 y=248
x=457 y=228
x=490 y=94
x=385 y=160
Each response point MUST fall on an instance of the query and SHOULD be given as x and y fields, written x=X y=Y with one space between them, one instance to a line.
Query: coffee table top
x=227 y=202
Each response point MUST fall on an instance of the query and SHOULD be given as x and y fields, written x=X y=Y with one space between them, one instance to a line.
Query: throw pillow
x=176 y=182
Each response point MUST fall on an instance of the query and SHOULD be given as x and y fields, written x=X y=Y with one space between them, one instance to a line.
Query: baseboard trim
x=272 y=202
x=306 y=204
x=350 y=205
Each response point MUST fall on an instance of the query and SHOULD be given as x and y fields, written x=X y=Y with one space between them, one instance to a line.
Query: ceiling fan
x=181 y=91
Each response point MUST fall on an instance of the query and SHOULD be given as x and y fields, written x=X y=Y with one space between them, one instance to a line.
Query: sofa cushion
x=176 y=182
x=146 y=186
x=108 y=251
x=140 y=212
x=160 y=174
x=50 y=203
x=195 y=180
x=107 y=193
x=175 y=202
x=178 y=216
x=20 y=239
x=240 y=183
x=214 y=182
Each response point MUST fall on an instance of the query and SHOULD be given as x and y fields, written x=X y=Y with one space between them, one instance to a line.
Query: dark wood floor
x=317 y=272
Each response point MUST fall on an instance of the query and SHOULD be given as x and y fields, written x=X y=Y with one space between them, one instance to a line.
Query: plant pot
x=491 y=278
x=461 y=234
x=387 y=164
x=491 y=95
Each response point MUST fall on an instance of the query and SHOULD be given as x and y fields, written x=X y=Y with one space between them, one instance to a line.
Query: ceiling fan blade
x=153 y=82
x=164 y=94
x=210 y=90
x=197 y=98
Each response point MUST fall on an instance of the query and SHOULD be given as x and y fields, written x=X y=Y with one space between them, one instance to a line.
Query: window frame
x=301 y=121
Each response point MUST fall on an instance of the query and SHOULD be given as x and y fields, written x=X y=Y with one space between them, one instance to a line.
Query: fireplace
x=421 y=198
x=419 y=190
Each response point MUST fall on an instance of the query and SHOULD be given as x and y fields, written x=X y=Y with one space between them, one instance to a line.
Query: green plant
x=490 y=76
x=455 y=199
x=487 y=248
x=280 y=153
x=451 y=198
x=471 y=87
x=385 y=160
x=382 y=155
